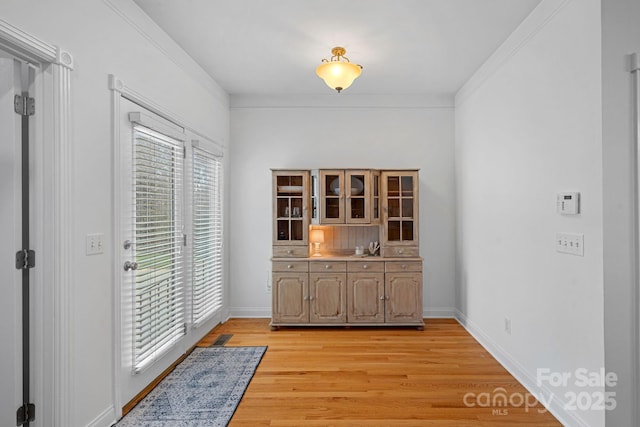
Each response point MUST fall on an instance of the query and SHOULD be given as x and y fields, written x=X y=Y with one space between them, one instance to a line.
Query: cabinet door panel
x=328 y=298
x=358 y=197
x=290 y=298
x=403 y=297
x=366 y=298
x=332 y=196
x=375 y=197
x=290 y=207
x=400 y=208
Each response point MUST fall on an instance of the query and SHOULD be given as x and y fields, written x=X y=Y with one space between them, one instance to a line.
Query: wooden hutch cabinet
x=340 y=287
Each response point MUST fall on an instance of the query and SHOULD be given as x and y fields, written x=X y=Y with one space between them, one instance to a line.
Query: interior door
x=10 y=233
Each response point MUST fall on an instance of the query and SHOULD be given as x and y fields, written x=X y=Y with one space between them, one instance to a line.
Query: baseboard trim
x=557 y=404
x=106 y=419
x=248 y=312
x=439 y=313
x=261 y=312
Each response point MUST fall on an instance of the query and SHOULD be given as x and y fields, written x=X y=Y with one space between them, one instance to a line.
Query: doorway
x=50 y=176
x=20 y=389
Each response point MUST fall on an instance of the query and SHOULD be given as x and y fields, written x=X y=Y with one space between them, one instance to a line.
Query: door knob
x=128 y=265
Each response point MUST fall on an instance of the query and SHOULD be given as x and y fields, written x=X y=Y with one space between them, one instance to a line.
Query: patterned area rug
x=203 y=391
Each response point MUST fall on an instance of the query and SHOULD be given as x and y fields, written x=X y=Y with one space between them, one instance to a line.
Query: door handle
x=128 y=265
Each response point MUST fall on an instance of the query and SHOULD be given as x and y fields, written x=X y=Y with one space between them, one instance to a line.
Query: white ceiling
x=274 y=46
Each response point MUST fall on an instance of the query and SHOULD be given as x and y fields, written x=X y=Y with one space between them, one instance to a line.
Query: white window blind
x=207 y=234
x=158 y=294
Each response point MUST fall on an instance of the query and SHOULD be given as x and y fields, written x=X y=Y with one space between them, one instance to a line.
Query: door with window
x=152 y=246
x=206 y=168
x=170 y=243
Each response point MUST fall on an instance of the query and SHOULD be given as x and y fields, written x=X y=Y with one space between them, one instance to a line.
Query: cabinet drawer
x=396 y=266
x=292 y=266
x=323 y=266
x=361 y=266
x=290 y=251
x=400 y=251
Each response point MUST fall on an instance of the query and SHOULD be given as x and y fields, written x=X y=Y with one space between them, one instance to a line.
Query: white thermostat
x=568 y=203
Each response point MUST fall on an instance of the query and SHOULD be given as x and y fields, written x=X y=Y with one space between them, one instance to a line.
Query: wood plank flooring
x=375 y=377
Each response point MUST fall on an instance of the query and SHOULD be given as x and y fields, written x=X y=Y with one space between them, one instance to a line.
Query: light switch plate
x=94 y=244
x=570 y=243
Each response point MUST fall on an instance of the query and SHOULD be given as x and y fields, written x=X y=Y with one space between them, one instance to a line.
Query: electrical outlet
x=570 y=243
x=94 y=244
x=507 y=325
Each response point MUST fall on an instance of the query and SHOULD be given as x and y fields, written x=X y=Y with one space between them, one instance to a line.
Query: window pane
x=158 y=283
x=207 y=235
x=394 y=231
x=407 y=230
x=393 y=186
x=407 y=186
x=407 y=208
x=394 y=208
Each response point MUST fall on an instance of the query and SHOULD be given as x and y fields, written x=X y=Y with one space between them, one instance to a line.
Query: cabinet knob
x=289 y=266
x=289 y=251
x=310 y=298
x=381 y=297
x=404 y=266
x=364 y=267
x=327 y=266
x=400 y=251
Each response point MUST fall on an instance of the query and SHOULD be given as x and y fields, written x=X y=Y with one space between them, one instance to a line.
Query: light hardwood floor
x=375 y=377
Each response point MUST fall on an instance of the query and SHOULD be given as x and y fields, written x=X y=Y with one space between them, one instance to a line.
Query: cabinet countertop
x=354 y=258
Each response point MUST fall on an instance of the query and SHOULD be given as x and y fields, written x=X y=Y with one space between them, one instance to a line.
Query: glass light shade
x=316 y=236
x=338 y=75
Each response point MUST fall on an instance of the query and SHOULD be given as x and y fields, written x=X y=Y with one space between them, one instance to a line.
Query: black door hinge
x=25 y=259
x=26 y=414
x=24 y=105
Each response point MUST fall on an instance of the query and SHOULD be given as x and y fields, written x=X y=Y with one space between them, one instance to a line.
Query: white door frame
x=52 y=222
x=635 y=71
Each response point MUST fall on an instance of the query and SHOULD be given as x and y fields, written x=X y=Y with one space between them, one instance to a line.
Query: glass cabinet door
x=332 y=191
x=290 y=193
x=358 y=198
x=400 y=207
x=375 y=197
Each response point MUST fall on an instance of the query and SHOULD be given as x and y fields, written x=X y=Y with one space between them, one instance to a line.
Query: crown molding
x=532 y=25
x=333 y=100
x=147 y=28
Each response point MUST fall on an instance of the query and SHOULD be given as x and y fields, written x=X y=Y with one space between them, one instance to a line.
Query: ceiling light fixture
x=338 y=72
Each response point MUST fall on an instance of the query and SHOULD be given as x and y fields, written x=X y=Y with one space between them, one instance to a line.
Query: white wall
x=528 y=125
x=338 y=131
x=103 y=43
x=621 y=36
